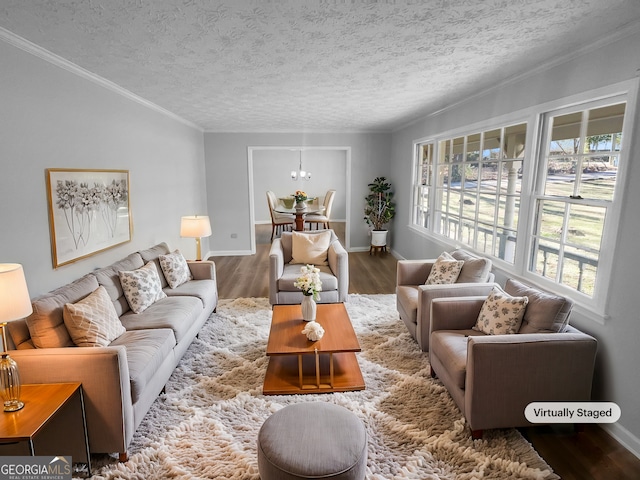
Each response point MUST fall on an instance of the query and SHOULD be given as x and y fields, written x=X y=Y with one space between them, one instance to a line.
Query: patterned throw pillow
x=501 y=313
x=175 y=268
x=93 y=322
x=445 y=270
x=141 y=287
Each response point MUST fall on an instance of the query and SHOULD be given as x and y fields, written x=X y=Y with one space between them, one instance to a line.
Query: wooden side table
x=52 y=422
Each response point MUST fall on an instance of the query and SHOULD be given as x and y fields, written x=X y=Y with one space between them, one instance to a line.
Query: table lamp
x=196 y=226
x=14 y=305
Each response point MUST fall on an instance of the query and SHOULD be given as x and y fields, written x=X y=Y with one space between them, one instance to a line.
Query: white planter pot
x=379 y=238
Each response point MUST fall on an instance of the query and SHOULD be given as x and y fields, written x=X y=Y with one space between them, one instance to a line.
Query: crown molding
x=30 y=47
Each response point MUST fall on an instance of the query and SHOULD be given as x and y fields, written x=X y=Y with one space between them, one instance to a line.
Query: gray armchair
x=413 y=297
x=282 y=274
x=492 y=378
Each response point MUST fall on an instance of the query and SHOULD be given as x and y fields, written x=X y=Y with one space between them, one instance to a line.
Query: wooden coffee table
x=298 y=365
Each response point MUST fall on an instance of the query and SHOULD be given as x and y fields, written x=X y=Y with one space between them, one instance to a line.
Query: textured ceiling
x=324 y=65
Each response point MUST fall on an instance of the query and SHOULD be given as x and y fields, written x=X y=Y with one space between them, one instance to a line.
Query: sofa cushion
x=206 y=290
x=141 y=287
x=92 y=321
x=475 y=269
x=310 y=248
x=46 y=323
x=146 y=351
x=445 y=270
x=292 y=272
x=153 y=254
x=109 y=279
x=177 y=313
x=546 y=312
x=175 y=268
x=501 y=313
x=450 y=346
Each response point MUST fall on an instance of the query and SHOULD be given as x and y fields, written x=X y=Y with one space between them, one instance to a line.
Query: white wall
x=52 y=118
x=272 y=171
x=618 y=358
x=227 y=180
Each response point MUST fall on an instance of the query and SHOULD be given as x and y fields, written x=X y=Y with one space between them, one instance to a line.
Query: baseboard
x=624 y=437
x=228 y=253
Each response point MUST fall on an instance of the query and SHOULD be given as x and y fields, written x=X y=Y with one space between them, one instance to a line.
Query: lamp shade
x=195 y=226
x=14 y=294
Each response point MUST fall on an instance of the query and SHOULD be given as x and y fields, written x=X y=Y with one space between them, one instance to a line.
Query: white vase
x=301 y=206
x=308 y=308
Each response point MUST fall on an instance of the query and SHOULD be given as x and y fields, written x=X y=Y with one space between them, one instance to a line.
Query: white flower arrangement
x=309 y=281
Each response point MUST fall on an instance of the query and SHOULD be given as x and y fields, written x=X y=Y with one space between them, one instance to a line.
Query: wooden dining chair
x=279 y=221
x=325 y=216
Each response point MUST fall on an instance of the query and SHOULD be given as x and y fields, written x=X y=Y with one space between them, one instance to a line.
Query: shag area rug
x=206 y=424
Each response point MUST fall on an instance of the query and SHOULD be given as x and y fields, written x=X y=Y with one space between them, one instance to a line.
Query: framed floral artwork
x=89 y=212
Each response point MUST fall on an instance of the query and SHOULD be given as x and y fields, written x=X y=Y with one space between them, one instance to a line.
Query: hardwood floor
x=589 y=454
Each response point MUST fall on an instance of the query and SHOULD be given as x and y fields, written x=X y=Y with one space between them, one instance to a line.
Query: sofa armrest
x=202 y=269
x=276 y=269
x=455 y=313
x=507 y=372
x=104 y=375
x=339 y=264
x=413 y=272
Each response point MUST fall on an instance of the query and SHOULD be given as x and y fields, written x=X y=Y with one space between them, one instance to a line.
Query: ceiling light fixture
x=300 y=174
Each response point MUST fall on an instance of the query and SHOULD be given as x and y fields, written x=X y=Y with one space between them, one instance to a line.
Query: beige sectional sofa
x=121 y=380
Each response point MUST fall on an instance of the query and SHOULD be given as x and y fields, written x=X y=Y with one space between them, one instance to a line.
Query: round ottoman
x=312 y=440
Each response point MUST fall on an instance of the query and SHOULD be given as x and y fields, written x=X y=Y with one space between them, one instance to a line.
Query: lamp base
x=13 y=405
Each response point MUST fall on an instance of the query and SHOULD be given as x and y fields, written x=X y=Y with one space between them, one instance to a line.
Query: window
x=544 y=201
x=474 y=185
x=575 y=193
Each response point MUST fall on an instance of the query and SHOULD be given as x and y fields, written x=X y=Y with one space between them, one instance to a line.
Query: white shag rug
x=206 y=424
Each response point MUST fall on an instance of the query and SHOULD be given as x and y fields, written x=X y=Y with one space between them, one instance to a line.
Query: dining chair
x=279 y=221
x=324 y=217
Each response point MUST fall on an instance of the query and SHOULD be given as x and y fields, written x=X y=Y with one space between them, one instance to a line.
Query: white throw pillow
x=501 y=313
x=175 y=268
x=311 y=248
x=93 y=321
x=141 y=287
x=445 y=270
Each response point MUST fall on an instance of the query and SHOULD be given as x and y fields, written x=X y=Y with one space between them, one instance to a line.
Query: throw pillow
x=310 y=248
x=474 y=270
x=93 y=322
x=445 y=270
x=175 y=268
x=501 y=313
x=141 y=287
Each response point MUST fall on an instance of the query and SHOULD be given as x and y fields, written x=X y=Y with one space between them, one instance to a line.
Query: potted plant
x=379 y=210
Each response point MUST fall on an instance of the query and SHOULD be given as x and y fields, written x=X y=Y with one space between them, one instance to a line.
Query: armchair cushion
x=501 y=313
x=545 y=313
x=474 y=270
x=445 y=270
x=310 y=249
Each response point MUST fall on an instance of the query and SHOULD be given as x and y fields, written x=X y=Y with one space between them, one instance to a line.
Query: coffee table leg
x=300 y=370
x=317 y=369
x=331 y=369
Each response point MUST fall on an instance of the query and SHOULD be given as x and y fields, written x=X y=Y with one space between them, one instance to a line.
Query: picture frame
x=89 y=212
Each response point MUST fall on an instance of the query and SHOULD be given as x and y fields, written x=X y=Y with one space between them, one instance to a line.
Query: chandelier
x=300 y=174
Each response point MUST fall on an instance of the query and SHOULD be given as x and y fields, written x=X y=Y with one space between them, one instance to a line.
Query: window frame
x=595 y=307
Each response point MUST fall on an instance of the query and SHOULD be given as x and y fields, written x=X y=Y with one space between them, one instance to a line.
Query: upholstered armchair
x=493 y=377
x=413 y=297
x=320 y=248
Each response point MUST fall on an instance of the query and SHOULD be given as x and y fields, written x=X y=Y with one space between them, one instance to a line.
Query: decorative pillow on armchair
x=141 y=287
x=175 y=268
x=310 y=248
x=445 y=270
x=501 y=313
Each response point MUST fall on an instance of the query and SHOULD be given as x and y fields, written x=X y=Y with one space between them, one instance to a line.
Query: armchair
x=413 y=297
x=492 y=378
x=282 y=274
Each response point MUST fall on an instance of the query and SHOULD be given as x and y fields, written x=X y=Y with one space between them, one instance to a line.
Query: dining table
x=300 y=213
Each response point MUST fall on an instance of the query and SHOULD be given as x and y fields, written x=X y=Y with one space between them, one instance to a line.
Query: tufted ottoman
x=312 y=440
